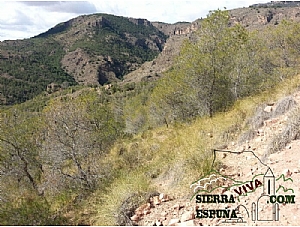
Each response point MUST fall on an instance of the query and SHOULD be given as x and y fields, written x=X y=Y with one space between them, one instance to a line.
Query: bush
x=30 y=211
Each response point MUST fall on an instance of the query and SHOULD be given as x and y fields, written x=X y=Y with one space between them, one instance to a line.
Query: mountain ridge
x=93 y=50
x=100 y=48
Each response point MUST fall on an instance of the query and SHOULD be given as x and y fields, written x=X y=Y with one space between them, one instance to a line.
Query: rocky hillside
x=179 y=28
x=253 y=17
x=256 y=17
x=91 y=50
x=100 y=48
x=272 y=142
x=152 y=70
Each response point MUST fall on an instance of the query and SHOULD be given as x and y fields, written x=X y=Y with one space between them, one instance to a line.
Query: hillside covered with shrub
x=91 y=155
x=91 y=50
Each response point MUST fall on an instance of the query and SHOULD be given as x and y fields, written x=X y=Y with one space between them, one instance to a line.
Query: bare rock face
x=180 y=28
x=99 y=22
x=140 y=21
x=77 y=64
x=153 y=70
x=89 y=71
x=256 y=17
x=188 y=30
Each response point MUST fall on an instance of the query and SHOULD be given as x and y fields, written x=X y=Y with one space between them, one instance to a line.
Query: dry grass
x=169 y=159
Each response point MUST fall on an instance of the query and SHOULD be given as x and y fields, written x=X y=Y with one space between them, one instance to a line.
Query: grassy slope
x=164 y=159
x=168 y=160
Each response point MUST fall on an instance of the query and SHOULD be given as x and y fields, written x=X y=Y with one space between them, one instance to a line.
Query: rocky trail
x=275 y=144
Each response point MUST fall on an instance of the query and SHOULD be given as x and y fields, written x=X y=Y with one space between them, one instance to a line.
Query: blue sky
x=24 y=19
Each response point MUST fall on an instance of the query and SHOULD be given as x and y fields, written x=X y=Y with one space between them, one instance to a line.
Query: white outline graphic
x=208 y=183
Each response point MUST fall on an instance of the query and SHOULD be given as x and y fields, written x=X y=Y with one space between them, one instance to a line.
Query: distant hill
x=260 y=15
x=101 y=48
x=276 y=4
x=90 y=49
x=254 y=17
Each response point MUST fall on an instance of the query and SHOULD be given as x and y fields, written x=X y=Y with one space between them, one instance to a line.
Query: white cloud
x=77 y=7
x=29 y=18
x=169 y=11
